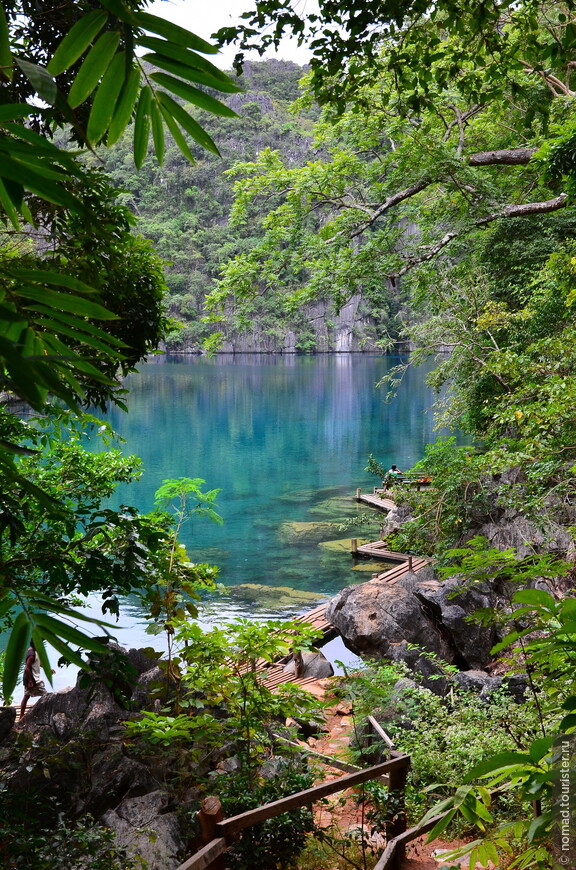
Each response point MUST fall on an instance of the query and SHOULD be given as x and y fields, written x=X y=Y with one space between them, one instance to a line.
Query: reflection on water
x=286 y=438
x=280 y=435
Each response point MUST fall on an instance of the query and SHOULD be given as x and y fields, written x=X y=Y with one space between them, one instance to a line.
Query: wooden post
x=396 y=824
x=358 y=492
x=298 y=663
x=410 y=563
x=210 y=814
x=354 y=543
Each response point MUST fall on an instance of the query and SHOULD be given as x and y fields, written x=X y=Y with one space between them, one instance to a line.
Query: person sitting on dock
x=394 y=475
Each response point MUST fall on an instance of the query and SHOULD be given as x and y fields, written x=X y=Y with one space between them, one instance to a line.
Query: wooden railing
x=219 y=833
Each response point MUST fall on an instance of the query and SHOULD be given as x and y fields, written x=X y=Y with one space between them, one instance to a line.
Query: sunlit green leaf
x=77 y=41
x=142 y=126
x=191 y=126
x=157 y=131
x=93 y=67
x=105 y=99
x=177 y=134
x=193 y=95
x=173 y=33
x=125 y=107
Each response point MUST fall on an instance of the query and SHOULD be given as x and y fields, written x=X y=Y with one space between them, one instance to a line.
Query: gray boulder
x=373 y=617
x=478 y=681
x=148 y=828
x=450 y=608
x=314 y=664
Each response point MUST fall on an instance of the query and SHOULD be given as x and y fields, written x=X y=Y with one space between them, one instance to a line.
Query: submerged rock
x=306 y=533
x=342 y=545
x=278 y=596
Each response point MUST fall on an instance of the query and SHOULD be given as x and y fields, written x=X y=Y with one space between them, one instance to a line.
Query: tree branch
x=506 y=157
x=509 y=211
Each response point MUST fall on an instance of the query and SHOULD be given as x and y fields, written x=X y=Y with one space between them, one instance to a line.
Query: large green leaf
x=190 y=59
x=125 y=107
x=23 y=171
x=173 y=32
x=80 y=337
x=15 y=651
x=193 y=95
x=498 y=762
x=8 y=206
x=77 y=41
x=105 y=99
x=191 y=126
x=142 y=126
x=40 y=79
x=190 y=73
x=69 y=320
x=93 y=68
x=177 y=134
x=11 y=111
x=537 y=597
x=157 y=131
x=5 y=51
x=67 y=302
x=58 y=279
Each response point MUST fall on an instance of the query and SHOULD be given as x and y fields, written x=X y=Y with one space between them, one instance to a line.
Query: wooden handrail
x=300 y=799
x=226 y=830
x=394 y=852
x=206 y=856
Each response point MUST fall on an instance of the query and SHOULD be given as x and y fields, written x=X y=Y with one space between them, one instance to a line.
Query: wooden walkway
x=273 y=673
x=376 y=499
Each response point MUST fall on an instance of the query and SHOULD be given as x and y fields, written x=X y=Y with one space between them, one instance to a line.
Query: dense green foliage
x=80 y=297
x=186 y=210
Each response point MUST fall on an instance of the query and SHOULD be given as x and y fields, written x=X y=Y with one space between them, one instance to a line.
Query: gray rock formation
x=314 y=664
x=147 y=827
x=373 y=617
x=380 y=620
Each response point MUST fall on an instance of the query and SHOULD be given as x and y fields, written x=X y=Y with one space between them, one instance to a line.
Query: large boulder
x=378 y=619
x=148 y=828
x=450 y=604
x=372 y=617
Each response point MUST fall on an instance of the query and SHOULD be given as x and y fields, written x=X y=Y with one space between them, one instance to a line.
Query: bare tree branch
x=509 y=211
x=506 y=157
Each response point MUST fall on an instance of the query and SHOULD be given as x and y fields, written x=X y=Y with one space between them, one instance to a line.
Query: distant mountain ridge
x=184 y=210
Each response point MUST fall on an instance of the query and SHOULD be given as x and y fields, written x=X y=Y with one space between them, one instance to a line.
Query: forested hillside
x=185 y=210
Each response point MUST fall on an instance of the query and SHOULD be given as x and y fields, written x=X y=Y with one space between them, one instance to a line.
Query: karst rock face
x=378 y=619
x=76 y=761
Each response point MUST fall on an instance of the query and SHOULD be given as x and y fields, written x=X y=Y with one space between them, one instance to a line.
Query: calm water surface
x=286 y=439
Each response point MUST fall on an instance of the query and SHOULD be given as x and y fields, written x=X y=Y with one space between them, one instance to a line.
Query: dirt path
x=343 y=812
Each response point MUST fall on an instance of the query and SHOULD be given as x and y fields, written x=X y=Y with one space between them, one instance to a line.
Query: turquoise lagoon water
x=286 y=439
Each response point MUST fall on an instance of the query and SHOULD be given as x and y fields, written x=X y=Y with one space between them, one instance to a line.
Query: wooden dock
x=273 y=673
x=376 y=499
